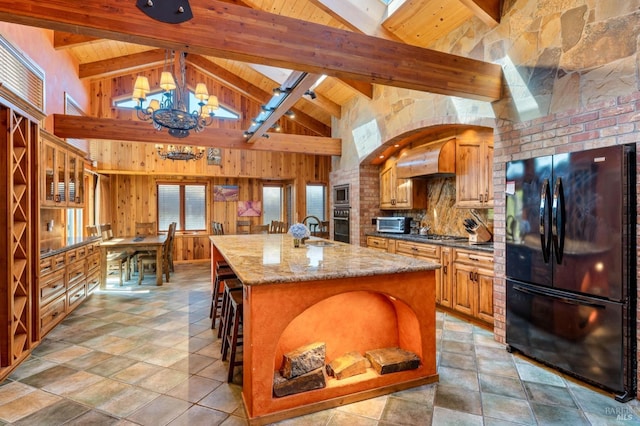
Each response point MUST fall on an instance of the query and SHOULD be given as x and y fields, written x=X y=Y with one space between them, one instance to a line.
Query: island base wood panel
x=305 y=306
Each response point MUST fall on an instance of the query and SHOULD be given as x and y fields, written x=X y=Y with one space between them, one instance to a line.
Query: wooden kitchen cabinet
x=398 y=193
x=378 y=243
x=473 y=284
x=474 y=169
x=19 y=236
x=444 y=289
x=62 y=175
x=66 y=279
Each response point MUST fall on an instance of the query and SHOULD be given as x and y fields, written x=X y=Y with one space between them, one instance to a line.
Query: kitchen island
x=349 y=297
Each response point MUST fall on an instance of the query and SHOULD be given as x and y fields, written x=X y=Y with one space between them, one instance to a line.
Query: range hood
x=438 y=158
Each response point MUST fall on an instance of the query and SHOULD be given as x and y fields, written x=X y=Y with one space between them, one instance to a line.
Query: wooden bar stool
x=233 y=335
x=229 y=286
x=222 y=272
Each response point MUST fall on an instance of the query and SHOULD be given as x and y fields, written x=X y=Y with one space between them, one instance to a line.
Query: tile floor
x=146 y=355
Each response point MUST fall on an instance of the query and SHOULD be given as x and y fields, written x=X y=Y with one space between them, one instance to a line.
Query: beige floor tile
x=160 y=411
x=26 y=404
x=163 y=380
x=136 y=372
x=74 y=383
x=194 y=389
x=128 y=401
x=99 y=393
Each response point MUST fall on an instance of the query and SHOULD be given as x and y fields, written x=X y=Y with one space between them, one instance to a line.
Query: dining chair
x=149 y=259
x=92 y=231
x=277 y=227
x=217 y=228
x=116 y=260
x=146 y=228
x=243 y=226
x=259 y=229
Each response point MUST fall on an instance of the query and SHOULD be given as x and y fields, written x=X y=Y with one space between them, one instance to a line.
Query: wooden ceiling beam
x=488 y=11
x=362 y=87
x=121 y=64
x=65 y=40
x=82 y=127
x=260 y=37
x=253 y=92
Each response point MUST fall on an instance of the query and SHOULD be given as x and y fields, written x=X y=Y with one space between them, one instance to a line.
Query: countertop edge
x=461 y=244
x=85 y=241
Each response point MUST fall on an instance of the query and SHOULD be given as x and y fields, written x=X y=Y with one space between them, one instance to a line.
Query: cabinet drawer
x=52 y=263
x=76 y=295
x=52 y=314
x=483 y=260
x=377 y=242
x=72 y=255
x=93 y=262
x=93 y=248
x=417 y=249
x=75 y=273
x=51 y=286
x=93 y=281
x=81 y=252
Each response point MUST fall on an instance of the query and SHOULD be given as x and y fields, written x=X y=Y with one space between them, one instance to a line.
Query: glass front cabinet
x=61 y=174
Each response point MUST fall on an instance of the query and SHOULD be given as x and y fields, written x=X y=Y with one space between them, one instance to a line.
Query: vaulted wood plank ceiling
x=104 y=43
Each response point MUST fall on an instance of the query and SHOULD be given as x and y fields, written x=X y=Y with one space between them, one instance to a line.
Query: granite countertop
x=70 y=244
x=271 y=258
x=416 y=238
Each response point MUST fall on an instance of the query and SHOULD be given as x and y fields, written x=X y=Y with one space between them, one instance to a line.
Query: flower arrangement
x=299 y=231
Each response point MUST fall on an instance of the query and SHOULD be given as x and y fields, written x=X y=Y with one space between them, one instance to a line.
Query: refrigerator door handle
x=566 y=300
x=545 y=241
x=557 y=220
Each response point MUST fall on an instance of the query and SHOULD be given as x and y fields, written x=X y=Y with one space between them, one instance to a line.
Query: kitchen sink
x=319 y=243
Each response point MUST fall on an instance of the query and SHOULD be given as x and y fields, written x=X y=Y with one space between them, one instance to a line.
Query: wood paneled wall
x=134 y=199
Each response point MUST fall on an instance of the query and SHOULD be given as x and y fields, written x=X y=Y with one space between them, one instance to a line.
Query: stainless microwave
x=394 y=225
x=341 y=195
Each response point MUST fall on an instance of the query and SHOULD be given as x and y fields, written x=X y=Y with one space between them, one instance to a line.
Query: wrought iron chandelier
x=180 y=152
x=173 y=111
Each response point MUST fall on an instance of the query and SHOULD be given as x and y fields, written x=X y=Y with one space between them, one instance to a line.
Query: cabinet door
x=404 y=191
x=387 y=182
x=484 y=286
x=72 y=176
x=488 y=170
x=463 y=290
x=445 y=285
x=61 y=190
x=48 y=179
x=469 y=173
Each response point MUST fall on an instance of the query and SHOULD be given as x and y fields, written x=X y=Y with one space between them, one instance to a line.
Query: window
x=316 y=199
x=184 y=204
x=74 y=223
x=271 y=203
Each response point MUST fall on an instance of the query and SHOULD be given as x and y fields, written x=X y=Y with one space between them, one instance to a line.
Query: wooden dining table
x=133 y=244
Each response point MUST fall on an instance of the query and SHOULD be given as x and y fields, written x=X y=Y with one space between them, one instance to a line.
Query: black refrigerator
x=570 y=264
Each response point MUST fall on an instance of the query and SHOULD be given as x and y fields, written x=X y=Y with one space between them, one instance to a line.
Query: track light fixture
x=280 y=91
x=290 y=115
x=310 y=93
x=276 y=126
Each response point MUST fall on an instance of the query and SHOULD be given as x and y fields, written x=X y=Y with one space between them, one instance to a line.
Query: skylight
x=221 y=112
